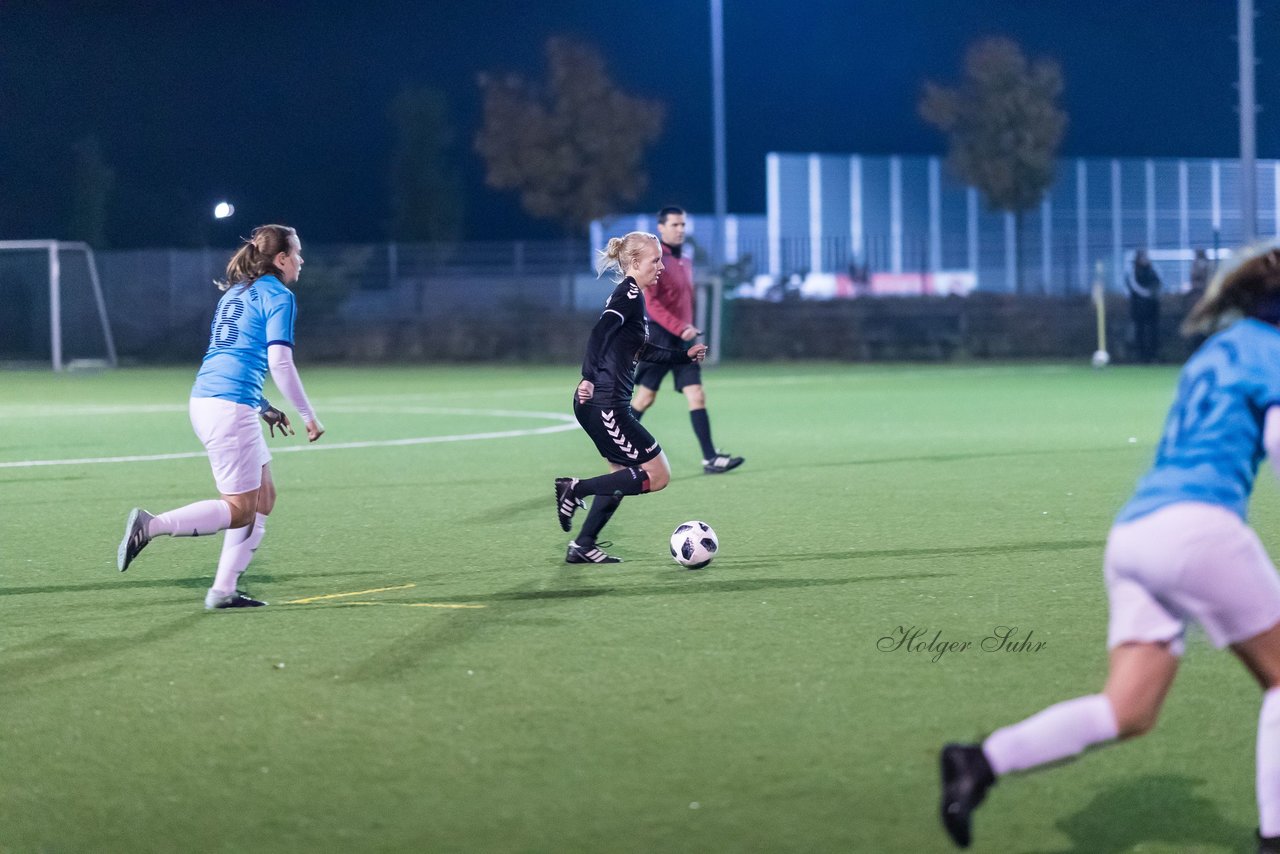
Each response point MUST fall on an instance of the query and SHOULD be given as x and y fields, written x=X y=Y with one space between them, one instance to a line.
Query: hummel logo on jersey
x=633 y=291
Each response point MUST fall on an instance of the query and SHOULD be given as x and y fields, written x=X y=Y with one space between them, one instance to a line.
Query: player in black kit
x=602 y=403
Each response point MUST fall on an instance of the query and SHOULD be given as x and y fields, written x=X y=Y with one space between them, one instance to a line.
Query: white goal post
x=52 y=250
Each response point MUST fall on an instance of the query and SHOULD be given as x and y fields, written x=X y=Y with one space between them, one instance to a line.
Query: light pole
x=717 y=119
x=1248 y=116
x=721 y=191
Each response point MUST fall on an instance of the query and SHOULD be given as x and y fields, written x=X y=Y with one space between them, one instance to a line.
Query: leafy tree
x=93 y=180
x=426 y=191
x=1003 y=126
x=573 y=146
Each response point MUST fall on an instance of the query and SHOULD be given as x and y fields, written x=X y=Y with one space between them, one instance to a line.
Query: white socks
x=194 y=520
x=1059 y=732
x=1269 y=764
x=238 y=546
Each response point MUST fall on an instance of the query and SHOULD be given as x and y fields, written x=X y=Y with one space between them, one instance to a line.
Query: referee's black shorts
x=650 y=374
x=619 y=437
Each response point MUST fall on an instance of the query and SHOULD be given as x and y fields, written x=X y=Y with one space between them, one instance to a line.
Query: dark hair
x=668 y=211
x=1249 y=286
x=257 y=258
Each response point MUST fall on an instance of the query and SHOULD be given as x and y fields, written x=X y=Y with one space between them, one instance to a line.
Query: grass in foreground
x=486 y=696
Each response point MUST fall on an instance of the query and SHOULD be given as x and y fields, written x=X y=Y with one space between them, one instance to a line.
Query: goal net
x=53 y=306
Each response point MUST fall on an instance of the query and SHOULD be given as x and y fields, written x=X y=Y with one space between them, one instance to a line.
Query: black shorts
x=650 y=374
x=619 y=437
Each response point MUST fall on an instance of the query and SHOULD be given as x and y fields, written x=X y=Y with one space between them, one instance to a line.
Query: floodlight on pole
x=222 y=210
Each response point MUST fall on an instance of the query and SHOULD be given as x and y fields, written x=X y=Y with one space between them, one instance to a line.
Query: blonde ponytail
x=620 y=253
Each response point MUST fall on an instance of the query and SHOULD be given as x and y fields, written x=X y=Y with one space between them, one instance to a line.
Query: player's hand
x=275 y=418
x=690 y=332
x=586 y=390
x=697 y=352
x=314 y=430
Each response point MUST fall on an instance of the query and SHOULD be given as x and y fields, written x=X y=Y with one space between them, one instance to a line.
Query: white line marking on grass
x=567 y=422
x=46 y=410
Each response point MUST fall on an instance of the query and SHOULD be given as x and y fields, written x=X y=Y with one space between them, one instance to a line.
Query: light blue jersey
x=1212 y=442
x=247 y=321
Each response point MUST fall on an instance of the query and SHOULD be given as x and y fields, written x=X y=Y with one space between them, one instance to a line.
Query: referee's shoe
x=721 y=463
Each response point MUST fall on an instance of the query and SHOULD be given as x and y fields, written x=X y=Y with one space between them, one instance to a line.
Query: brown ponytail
x=1249 y=286
x=257 y=257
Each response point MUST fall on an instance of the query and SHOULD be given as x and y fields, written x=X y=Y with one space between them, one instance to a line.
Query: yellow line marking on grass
x=419 y=604
x=354 y=593
x=311 y=599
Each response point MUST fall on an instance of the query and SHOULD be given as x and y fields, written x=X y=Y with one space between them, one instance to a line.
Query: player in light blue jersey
x=251 y=333
x=1180 y=550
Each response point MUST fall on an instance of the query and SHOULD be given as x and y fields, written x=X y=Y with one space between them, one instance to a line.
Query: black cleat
x=135 y=539
x=966 y=776
x=1268 y=844
x=589 y=554
x=721 y=463
x=566 y=501
x=218 y=601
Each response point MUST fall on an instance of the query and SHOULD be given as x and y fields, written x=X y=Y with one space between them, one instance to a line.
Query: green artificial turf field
x=431 y=676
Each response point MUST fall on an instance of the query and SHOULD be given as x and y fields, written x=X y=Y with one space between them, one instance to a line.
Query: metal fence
x=159 y=297
x=899 y=214
x=514 y=301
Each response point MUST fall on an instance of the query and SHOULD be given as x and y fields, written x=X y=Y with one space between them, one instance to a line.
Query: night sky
x=281 y=106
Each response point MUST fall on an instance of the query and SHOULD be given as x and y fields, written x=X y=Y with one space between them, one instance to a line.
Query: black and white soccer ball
x=694 y=544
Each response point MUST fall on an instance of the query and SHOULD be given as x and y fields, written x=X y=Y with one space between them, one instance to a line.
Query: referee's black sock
x=702 y=429
x=628 y=481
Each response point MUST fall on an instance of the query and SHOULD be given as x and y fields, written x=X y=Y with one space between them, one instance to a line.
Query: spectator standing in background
x=1201 y=271
x=1144 y=307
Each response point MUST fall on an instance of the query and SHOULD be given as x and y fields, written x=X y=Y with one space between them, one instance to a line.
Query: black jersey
x=618 y=341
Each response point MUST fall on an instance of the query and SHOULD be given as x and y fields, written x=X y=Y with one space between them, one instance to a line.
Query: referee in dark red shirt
x=670 y=307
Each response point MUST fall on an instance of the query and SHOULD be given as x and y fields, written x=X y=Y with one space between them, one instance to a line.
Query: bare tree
x=426 y=191
x=1003 y=126
x=573 y=147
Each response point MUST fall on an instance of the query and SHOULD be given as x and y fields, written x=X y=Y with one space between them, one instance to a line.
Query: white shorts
x=233 y=437
x=1189 y=561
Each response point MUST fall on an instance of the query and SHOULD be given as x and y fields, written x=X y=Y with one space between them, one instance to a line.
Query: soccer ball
x=1101 y=358
x=694 y=544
